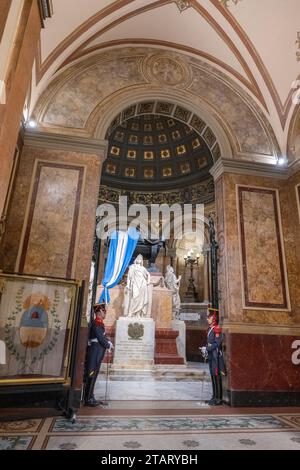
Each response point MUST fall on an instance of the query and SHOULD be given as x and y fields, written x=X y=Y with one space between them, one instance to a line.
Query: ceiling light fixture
x=281 y=161
x=32 y=123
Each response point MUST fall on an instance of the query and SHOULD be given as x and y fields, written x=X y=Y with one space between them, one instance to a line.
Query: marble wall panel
x=230 y=259
x=262 y=255
x=90 y=86
x=262 y=362
x=10 y=245
x=51 y=229
x=297 y=189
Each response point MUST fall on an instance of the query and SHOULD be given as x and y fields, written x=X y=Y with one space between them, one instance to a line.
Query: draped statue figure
x=136 y=299
x=173 y=284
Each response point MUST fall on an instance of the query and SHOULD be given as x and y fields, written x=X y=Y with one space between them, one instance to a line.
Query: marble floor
x=191 y=382
x=280 y=431
x=157 y=410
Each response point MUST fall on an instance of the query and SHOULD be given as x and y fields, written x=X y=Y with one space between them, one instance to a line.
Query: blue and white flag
x=121 y=248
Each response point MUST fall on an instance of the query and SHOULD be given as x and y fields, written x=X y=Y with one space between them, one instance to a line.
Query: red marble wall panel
x=194 y=339
x=261 y=362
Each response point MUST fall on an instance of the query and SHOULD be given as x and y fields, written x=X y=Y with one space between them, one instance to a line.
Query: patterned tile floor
x=234 y=429
x=161 y=411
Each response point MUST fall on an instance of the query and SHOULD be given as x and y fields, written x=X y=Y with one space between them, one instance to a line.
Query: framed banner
x=37 y=321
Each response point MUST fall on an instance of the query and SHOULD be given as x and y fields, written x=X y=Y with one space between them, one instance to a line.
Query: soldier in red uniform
x=213 y=353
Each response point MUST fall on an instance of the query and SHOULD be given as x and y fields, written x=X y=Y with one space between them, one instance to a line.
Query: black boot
x=92 y=392
x=89 y=399
x=219 y=391
x=214 y=387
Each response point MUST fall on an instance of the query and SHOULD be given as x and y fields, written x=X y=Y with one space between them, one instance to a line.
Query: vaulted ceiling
x=250 y=46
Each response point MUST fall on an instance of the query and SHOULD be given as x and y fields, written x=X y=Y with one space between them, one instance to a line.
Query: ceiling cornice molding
x=247 y=168
x=46 y=140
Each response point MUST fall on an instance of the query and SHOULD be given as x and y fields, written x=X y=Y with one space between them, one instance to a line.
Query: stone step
x=157 y=373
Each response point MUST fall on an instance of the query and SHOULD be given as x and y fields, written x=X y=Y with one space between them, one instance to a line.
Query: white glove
x=111 y=346
x=203 y=351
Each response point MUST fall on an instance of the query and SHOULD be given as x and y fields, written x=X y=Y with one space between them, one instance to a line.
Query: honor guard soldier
x=98 y=343
x=213 y=353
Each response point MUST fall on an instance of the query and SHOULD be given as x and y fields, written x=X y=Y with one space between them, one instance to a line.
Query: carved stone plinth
x=134 y=342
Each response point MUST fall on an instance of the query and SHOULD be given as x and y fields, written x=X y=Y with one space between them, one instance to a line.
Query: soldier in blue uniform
x=213 y=352
x=98 y=343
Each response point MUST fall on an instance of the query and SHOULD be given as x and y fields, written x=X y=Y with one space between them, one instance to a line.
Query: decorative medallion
x=196 y=144
x=148 y=140
x=182 y=5
x=166 y=172
x=34 y=321
x=133 y=139
x=181 y=150
x=131 y=154
x=119 y=136
x=130 y=172
x=162 y=138
x=176 y=135
x=202 y=162
x=167 y=70
x=226 y=3
x=148 y=155
x=148 y=173
x=135 y=126
x=185 y=168
x=171 y=122
x=34 y=332
x=115 y=151
x=111 y=169
x=165 y=154
x=135 y=330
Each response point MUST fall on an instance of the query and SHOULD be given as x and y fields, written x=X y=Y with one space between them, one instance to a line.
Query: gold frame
x=70 y=326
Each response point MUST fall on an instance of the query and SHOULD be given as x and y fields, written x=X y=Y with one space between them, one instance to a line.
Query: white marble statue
x=173 y=284
x=137 y=298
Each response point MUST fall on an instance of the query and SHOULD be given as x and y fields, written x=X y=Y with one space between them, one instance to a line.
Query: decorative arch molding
x=200 y=117
x=84 y=98
x=293 y=143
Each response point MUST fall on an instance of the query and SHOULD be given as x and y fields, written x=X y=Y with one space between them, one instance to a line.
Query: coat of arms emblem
x=135 y=330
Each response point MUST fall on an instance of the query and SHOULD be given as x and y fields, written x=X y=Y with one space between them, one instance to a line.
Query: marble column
x=15 y=75
x=258 y=274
